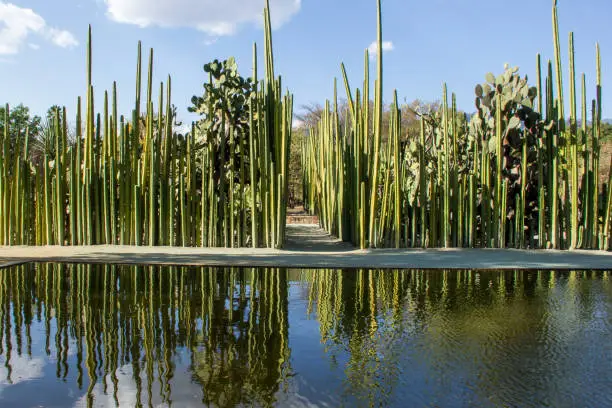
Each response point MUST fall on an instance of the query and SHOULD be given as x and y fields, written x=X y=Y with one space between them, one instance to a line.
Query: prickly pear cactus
x=521 y=126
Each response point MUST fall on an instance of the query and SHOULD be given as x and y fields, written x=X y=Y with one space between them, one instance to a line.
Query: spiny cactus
x=510 y=177
x=136 y=181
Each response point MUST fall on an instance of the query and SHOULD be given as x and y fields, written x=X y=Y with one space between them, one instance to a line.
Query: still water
x=75 y=336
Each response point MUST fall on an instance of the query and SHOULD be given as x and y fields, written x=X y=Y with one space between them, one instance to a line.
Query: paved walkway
x=310 y=247
x=310 y=237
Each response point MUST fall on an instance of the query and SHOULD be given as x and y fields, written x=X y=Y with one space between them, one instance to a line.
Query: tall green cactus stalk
x=422 y=184
x=378 y=105
x=553 y=163
x=503 y=218
x=73 y=196
x=560 y=118
x=59 y=190
x=397 y=213
x=446 y=213
x=521 y=205
x=540 y=164
x=231 y=187
x=499 y=214
x=572 y=137
x=586 y=198
x=47 y=203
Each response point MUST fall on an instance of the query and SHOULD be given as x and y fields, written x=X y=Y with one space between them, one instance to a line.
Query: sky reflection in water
x=113 y=335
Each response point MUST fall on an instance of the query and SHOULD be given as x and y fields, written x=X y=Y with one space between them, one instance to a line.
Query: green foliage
x=20 y=124
x=227 y=96
x=20 y=119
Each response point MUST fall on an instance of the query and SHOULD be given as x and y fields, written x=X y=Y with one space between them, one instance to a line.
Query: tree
x=19 y=120
x=310 y=115
x=45 y=140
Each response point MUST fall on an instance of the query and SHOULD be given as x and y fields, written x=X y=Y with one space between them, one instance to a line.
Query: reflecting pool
x=85 y=335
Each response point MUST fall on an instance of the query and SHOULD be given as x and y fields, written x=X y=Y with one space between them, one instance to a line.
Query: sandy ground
x=310 y=247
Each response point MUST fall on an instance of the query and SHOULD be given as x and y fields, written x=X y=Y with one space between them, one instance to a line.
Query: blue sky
x=42 y=44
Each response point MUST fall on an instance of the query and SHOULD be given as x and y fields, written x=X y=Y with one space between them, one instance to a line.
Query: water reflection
x=465 y=338
x=149 y=336
x=101 y=322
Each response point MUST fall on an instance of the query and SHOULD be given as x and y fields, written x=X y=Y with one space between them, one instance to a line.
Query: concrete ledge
x=349 y=258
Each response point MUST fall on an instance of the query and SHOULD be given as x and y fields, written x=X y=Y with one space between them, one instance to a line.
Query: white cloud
x=17 y=23
x=126 y=392
x=34 y=46
x=62 y=38
x=386 y=46
x=23 y=368
x=215 y=17
x=184 y=394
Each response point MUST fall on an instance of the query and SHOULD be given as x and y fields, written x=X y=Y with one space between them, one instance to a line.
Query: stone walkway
x=310 y=237
x=308 y=246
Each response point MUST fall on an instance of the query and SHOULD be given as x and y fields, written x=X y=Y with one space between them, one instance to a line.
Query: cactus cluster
x=137 y=182
x=519 y=173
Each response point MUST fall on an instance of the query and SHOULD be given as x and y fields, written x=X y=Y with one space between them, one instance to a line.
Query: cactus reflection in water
x=520 y=173
x=100 y=321
x=134 y=336
x=385 y=326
